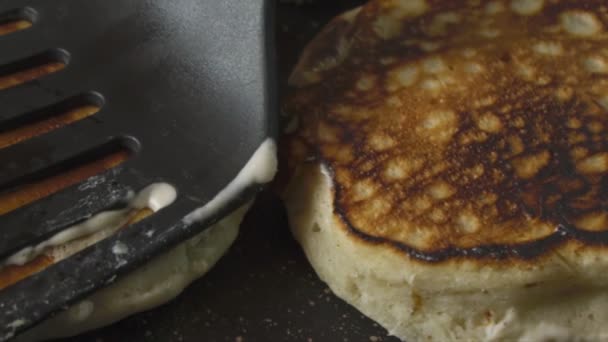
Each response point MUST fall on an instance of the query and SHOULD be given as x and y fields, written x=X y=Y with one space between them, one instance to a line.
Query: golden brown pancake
x=466 y=127
x=467 y=137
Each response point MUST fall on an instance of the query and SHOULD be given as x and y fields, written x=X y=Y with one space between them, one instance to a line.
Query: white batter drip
x=260 y=169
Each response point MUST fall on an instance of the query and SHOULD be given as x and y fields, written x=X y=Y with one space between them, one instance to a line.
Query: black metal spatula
x=186 y=86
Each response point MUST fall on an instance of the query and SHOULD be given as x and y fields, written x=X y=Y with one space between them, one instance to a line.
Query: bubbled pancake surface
x=468 y=129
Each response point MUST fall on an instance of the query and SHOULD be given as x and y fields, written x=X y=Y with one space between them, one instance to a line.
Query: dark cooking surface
x=263 y=289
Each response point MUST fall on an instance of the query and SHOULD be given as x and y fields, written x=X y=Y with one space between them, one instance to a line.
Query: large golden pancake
x=464 y=131
x=463 y=137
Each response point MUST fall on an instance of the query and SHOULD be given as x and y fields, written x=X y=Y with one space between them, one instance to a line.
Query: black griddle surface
x=264 y=288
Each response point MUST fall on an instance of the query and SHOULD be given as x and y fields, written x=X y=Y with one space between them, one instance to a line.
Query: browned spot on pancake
x=418 y=302
x=495 y=139
x=529 y=166
x=594 y=221
x=595 y=164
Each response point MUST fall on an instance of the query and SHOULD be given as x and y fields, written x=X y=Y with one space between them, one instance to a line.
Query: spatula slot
x=17 y=20
x=44 y=120
x=12 y=273
x=30 y=188
x=34 y=67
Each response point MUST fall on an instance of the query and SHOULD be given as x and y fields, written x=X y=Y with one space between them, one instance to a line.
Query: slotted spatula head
x=186 y=85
